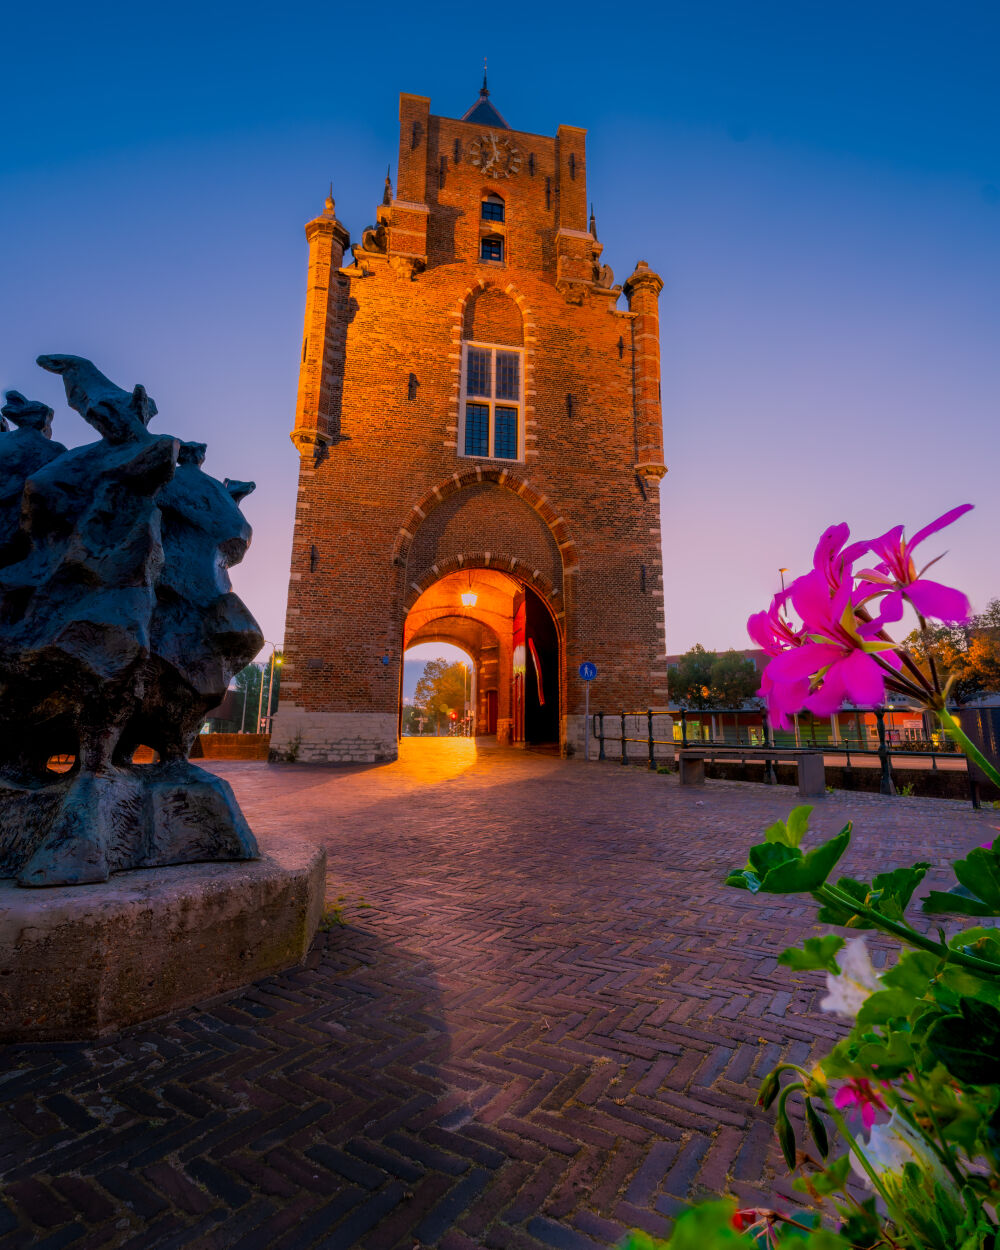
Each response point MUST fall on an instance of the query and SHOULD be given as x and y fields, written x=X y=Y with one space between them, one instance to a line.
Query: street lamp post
x=260 y=697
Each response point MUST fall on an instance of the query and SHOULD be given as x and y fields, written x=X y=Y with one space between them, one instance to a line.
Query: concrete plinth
x=83 y=961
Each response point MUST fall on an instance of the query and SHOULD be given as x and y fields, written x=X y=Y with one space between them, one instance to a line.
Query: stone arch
x=489 y=560
x=491 y=316
x=504 y=478
x=529 y=341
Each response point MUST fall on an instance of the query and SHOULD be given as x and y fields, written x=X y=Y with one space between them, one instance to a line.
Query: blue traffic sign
x=588 y=671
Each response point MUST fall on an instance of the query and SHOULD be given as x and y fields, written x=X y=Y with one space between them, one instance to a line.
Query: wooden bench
x=812 y=774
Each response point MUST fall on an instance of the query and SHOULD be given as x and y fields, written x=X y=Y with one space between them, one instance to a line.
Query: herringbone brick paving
x=542 y=1024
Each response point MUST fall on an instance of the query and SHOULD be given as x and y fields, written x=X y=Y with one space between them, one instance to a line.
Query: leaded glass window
x=491 y=403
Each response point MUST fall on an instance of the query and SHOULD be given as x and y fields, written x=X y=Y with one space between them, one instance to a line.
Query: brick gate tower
x=481 y=447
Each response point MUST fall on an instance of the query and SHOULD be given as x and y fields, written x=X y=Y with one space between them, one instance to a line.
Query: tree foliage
x=704 y=679
x=441 y=690
x=966 y=655
x=248 y=683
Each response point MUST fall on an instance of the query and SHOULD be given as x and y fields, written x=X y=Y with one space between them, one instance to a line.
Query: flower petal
x=862 y=679
x=946 y=519
x=941 y=602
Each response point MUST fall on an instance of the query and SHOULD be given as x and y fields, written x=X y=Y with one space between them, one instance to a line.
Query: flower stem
x=972 y=752
x=830 y=894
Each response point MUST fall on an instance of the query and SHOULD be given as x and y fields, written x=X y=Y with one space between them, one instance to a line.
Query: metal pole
x=600 y=753
x=260 y=699
x=586 y=717
x=270 y=691
x=649 y=726
x=885 y=784
x=243 y=721
x=684 y=729
x=624 y=744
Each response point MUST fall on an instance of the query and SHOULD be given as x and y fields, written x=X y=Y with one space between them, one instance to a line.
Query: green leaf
x=707 y=1227
x=883 y=1006
x=811 y=871
x=743 y=879
x=980 y=873
x=913 y=971
x=766 y=856
x=818 y=1129
x=891 y=891
x=885 y=1058
x=831 y=1180
x=968 y=1043
x=792 y=833
x=786 y=1137
x=958 y=901
x=815 y=952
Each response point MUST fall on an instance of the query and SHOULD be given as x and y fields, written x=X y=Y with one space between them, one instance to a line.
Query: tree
x=967 y=656
x=702 y=679
x=248 y=682
x=441 y=690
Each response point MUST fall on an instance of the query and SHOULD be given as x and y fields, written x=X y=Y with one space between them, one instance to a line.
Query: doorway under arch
x=515 y=641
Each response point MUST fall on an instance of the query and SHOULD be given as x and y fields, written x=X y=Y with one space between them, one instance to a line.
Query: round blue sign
x=588 y=671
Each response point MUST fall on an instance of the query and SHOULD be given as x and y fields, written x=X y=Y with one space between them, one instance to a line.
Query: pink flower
x=831 y=558
x=860 y=1094
x=897 y=575
x=838 y=660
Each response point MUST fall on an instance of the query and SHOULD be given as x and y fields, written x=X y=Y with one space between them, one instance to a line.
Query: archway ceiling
x=494 y=606
x=461 y=631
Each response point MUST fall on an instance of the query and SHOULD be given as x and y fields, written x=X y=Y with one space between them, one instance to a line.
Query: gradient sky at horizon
x=818 y=185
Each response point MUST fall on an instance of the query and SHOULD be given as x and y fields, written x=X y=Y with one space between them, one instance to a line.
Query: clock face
x=494 y=156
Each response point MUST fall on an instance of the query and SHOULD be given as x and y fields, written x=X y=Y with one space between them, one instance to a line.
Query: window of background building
x=491 y=425
x=491 y=247
x=492 y=209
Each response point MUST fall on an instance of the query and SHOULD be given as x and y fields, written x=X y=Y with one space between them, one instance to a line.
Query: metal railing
x=884 y=751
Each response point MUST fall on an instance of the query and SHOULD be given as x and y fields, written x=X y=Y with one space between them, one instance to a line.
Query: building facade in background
x=481 y=448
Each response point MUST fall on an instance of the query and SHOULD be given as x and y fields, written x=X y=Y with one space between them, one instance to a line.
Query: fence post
x=684 y=729
x=770 y=776
x=624 y=743
x=973 y=785
x=885 y=784
x=649 y=726
x=600 y=719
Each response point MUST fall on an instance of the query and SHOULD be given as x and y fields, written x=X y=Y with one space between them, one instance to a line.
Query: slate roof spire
x=482 y=112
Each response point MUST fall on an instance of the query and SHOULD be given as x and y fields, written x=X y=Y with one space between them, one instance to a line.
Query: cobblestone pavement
x=542 y=1023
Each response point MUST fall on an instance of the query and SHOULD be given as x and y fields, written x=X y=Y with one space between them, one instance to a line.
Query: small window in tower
x=491 y=248
x=492 y=208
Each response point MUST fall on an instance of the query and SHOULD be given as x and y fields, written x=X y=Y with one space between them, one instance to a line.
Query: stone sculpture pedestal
x=83 y=961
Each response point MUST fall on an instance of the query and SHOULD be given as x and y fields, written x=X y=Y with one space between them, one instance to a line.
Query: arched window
x=492 y=208
x=491 y=423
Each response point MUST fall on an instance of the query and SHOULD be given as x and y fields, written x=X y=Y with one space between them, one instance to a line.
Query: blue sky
x=819 y=186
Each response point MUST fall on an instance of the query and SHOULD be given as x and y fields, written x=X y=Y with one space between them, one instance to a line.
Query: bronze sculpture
x=118 y=628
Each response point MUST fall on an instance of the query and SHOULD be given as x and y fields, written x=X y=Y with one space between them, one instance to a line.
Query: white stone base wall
x=334 y=737
x=635 y=727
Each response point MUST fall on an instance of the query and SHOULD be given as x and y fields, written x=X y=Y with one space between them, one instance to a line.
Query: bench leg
x=812 y=776
x=692 y=772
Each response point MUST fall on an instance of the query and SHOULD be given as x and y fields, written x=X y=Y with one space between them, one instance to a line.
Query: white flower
x=857 y=979
x=894 y=1144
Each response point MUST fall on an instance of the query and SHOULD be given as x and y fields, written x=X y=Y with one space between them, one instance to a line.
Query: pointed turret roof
x=482 y=113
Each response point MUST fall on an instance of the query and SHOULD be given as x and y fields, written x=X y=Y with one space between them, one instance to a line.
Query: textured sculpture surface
x=118 y=628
